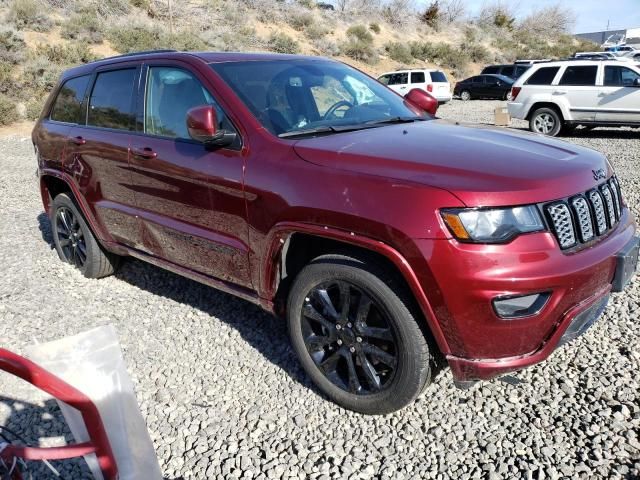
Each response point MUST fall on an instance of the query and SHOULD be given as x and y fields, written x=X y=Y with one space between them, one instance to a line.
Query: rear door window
x=438 y=77
x=384 y=79
x=111 y=104
x=543 y=76
x=579 y=75
x=399 y=78
x=68 y=104
x=417 y=77
x=490 y=70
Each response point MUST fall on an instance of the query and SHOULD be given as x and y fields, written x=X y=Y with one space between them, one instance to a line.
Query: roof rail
x=133 y=54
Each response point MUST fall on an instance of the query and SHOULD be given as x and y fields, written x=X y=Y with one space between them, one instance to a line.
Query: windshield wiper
x=326 y=129
x=396 y=120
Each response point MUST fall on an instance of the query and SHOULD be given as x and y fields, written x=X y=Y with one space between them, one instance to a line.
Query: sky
x=592 y=14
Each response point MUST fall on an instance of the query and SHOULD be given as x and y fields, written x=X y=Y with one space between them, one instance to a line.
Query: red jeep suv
x=383 y=235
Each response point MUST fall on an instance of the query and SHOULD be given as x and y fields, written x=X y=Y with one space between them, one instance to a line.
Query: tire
x=546 y=121
x=396 y=386
x=465 y=95
x=75 y=243
x=507 y=96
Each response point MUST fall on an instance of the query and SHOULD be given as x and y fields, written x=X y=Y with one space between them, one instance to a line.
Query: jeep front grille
x=586 y=216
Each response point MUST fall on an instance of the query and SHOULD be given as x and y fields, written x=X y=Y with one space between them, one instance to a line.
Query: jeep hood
x=482 y=166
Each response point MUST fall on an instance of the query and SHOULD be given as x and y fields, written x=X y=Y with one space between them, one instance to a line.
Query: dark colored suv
x=385 y=237
x=512 y=70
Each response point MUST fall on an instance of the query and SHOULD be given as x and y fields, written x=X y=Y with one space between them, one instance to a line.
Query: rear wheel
x=354 y=332
x=545 y=121
x=75 y=242
x=465 y=95
x=507 y=96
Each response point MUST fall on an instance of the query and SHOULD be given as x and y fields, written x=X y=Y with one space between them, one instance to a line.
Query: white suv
x=561 y=95
x=432 y=81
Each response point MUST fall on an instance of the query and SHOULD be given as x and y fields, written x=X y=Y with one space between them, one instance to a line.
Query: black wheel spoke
x=64 y=242
x=311 y=313
x=379 y=354
x=376 y=333
x=363 y=309
x=65 y=220
x=345 y=301
x=324 y=298
x=369 y=371
x=330 y=363
x=354 y=382
x=82 y=253
x=318 y=342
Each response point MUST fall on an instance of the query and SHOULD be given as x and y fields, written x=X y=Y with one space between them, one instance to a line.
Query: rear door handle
x=78 y=140
x=145 y=152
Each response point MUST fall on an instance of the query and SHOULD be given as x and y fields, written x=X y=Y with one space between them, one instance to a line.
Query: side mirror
x=202 y=124
x=422 y=100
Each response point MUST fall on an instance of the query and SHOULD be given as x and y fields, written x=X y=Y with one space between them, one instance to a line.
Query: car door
x=577 y=86
x=619 y=97
x=189 y=197
x=52 y=138
x=481 y=86
x=399 y=82
x=97 y=158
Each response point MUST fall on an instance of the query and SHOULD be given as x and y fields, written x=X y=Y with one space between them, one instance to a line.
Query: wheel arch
x=292 y=246
x=554 y=106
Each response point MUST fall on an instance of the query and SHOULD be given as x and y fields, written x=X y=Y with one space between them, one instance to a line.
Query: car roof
x=581 y=62
x=406 y=70
x=207 y=57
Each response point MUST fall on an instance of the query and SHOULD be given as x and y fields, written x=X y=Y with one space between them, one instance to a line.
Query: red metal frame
x=49 y=383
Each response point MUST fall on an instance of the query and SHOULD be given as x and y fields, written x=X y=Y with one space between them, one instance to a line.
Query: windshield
x=299 y=96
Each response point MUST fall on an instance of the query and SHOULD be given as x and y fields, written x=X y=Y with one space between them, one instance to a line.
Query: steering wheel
x=336 y=106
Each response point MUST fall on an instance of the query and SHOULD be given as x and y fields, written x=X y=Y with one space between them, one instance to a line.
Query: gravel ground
x=224 y=397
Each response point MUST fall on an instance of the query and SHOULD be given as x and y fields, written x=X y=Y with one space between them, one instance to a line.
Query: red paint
x=423 y=100
x=220 y=215
x=45 y=381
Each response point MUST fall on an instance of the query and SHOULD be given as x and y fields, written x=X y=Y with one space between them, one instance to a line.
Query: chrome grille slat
x=583 y=217
x=562 y=224
x=616 y=197
x=608 y=201
x=586 y=216
x=598 y=208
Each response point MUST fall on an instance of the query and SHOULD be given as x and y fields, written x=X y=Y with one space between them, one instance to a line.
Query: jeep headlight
x=492 y=225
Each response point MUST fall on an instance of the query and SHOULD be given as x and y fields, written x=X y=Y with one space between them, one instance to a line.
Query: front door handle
x=145 y=152
x=78 y=140
x=560 y=92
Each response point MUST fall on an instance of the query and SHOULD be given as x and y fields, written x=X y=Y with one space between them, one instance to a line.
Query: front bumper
x=480 y=345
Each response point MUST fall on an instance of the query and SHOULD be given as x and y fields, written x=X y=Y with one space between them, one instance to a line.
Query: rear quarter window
x=490 y=70
x=67 y=106
x=543 y=76
x=438 y=77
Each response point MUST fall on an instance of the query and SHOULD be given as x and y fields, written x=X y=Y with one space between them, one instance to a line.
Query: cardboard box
x=502 y=117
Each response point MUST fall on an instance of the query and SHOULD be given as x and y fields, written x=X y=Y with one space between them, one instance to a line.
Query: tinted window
x=619 y=77
x=438 y=77
x=507 y=71
x=521 y=70
x=384 y=79
x=543 y=76
x=579 y=75
x=67 y=107
x=490 y=70
x=417 y=77
x=170 y=94
x=111 y=102
x=399 y=78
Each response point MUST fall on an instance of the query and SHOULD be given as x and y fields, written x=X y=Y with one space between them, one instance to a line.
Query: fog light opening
x=520 y=306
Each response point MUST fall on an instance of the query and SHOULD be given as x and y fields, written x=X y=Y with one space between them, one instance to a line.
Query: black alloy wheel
x=70 y=237
x=349 y=337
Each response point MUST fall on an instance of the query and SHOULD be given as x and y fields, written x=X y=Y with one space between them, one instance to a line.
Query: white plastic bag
x=92 y=362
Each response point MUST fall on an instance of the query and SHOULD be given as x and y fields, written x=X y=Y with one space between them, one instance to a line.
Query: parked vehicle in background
x=562 y=95
x=512 y=70
x=432 y=81
x=484 y=86
x=383 y=236
x=620 y=50
x=595 y=55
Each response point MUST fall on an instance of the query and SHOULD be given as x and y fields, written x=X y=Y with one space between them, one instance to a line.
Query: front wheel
x=353 y=330
x=74 y=241
x=545 y=121
x=465 y=95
